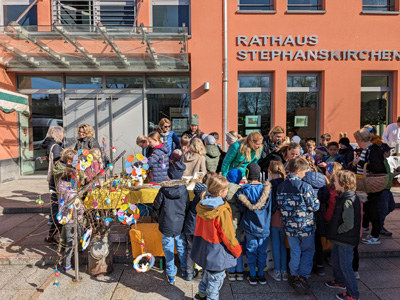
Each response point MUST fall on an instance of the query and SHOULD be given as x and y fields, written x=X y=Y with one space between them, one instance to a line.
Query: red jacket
x=331 y=205
x=215 y=247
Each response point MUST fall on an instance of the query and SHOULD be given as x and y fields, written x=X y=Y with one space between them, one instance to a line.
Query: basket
x=372 y=183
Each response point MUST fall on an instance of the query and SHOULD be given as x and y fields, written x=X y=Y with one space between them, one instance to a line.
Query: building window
x=305 y=5
x=376 y=91
x=117 y=12
x=39 y=82
x=256 y=5
x=378 y=5
x=168 y=97
x=169 y=82
x=254 y=103
x=83 y=82
x=302 y=105
x=13 y=9
x=175 y=107
x=171 y=13
x=122 y=82
x=91 y=12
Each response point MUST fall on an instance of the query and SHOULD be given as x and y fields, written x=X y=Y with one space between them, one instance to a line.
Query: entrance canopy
x=93 y=48
x=10 y=101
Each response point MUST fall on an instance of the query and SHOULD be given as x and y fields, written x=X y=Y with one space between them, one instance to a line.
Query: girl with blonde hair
x=243 y=152
x=194 y=159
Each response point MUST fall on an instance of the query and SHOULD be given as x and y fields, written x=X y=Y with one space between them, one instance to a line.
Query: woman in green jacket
x=243 y=152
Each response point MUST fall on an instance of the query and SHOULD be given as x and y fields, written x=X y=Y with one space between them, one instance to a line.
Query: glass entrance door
x=115 y=117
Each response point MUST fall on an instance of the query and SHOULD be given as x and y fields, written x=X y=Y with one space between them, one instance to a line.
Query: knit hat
x=234 y=176
x=321 y=150
x=176 y=155
x=345 y=141
x=253 y=171
x=231 y=137
x=175 y=170
x=195 y=120
x=209 y=140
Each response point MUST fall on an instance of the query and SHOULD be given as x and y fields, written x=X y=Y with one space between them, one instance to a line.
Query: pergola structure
x=88 y=48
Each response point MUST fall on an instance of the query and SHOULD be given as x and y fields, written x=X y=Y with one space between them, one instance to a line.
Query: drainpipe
x=225 y=72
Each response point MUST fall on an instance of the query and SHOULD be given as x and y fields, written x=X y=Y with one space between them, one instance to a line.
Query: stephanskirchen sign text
x=312 y=40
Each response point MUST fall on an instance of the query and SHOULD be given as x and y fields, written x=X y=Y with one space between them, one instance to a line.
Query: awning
x=93 y=48
x=10 y=101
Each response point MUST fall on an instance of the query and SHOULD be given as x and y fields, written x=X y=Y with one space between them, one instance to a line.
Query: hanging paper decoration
x=86 y=238
x=140 y=266
x=39 y=201
x=139 y=157
x=56 y=282
x=113 y=149
x=107 y=221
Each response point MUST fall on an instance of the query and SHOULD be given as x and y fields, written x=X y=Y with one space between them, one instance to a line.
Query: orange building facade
x=312 y=66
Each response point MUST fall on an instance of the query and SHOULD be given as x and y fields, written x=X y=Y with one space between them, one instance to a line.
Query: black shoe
x=252 y=280
x=261 y=280
x=320 y=271
x=292 y=280
x=385 y=232
x=302 y=286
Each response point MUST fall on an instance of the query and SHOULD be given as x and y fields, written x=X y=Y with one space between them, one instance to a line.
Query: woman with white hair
x=52 y=144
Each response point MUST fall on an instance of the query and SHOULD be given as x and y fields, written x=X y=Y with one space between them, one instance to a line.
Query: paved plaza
x=26 y=263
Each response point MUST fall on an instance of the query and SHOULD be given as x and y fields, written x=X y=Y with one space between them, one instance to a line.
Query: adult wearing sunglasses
x=167 y=135
x=86 y=140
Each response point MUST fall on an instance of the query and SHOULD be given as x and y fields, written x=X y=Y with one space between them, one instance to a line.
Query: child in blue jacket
x=255 y=206
x=297 y=203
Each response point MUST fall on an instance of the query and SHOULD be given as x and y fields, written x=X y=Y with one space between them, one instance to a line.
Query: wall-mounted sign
x=264 y=41
x=300 y=121
x=253 y=121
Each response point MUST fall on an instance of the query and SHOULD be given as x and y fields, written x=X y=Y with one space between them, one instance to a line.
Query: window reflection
x=175 y=107
x=302 y=106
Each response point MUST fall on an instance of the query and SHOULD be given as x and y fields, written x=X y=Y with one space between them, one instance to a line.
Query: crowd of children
x=307 y=199
x=301 y=200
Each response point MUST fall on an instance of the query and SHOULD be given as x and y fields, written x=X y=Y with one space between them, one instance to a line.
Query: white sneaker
x=232 y=276
x=369 y=240
x=275 y=275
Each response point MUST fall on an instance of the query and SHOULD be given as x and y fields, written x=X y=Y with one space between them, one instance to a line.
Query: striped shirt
x=363 y=155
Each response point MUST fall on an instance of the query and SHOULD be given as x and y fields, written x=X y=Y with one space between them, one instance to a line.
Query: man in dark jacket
x=171 y=205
